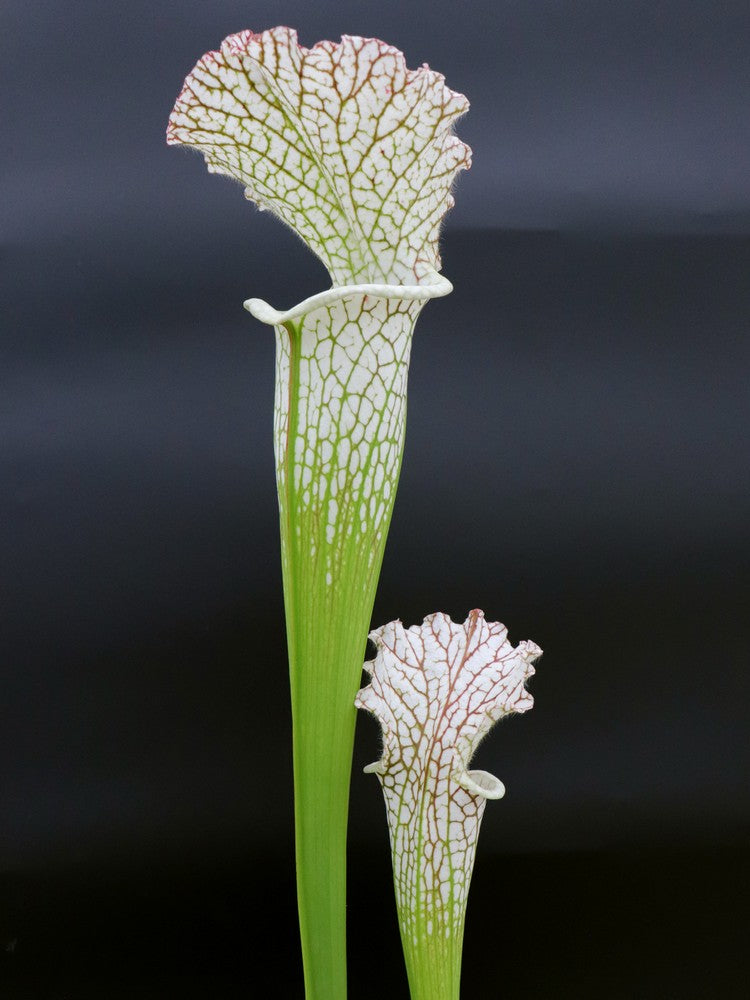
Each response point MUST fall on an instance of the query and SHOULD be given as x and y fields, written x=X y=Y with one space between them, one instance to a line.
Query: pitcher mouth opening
x=433 y=289
x=483 y=784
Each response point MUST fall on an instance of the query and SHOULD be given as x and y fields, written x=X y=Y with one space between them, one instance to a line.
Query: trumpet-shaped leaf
x=357 y=154
x=436 y=690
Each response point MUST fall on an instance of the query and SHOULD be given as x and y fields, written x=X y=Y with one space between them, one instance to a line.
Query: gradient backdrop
x=576 y=465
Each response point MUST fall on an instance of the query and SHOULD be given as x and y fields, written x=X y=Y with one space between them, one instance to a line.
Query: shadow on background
x=576 y=465
x=614 y=924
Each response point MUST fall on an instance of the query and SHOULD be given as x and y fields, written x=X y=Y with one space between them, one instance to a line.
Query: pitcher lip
x=266 y=313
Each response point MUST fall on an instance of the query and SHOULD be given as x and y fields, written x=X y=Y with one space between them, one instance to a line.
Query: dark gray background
x=576 y=465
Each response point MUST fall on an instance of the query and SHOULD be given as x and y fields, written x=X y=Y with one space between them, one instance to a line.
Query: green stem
x=433 y=962
x=323 y=726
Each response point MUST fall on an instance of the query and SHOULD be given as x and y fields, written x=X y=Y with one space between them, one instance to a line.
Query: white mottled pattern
x=340 y=417
x=436 y=690
x=349 y=147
